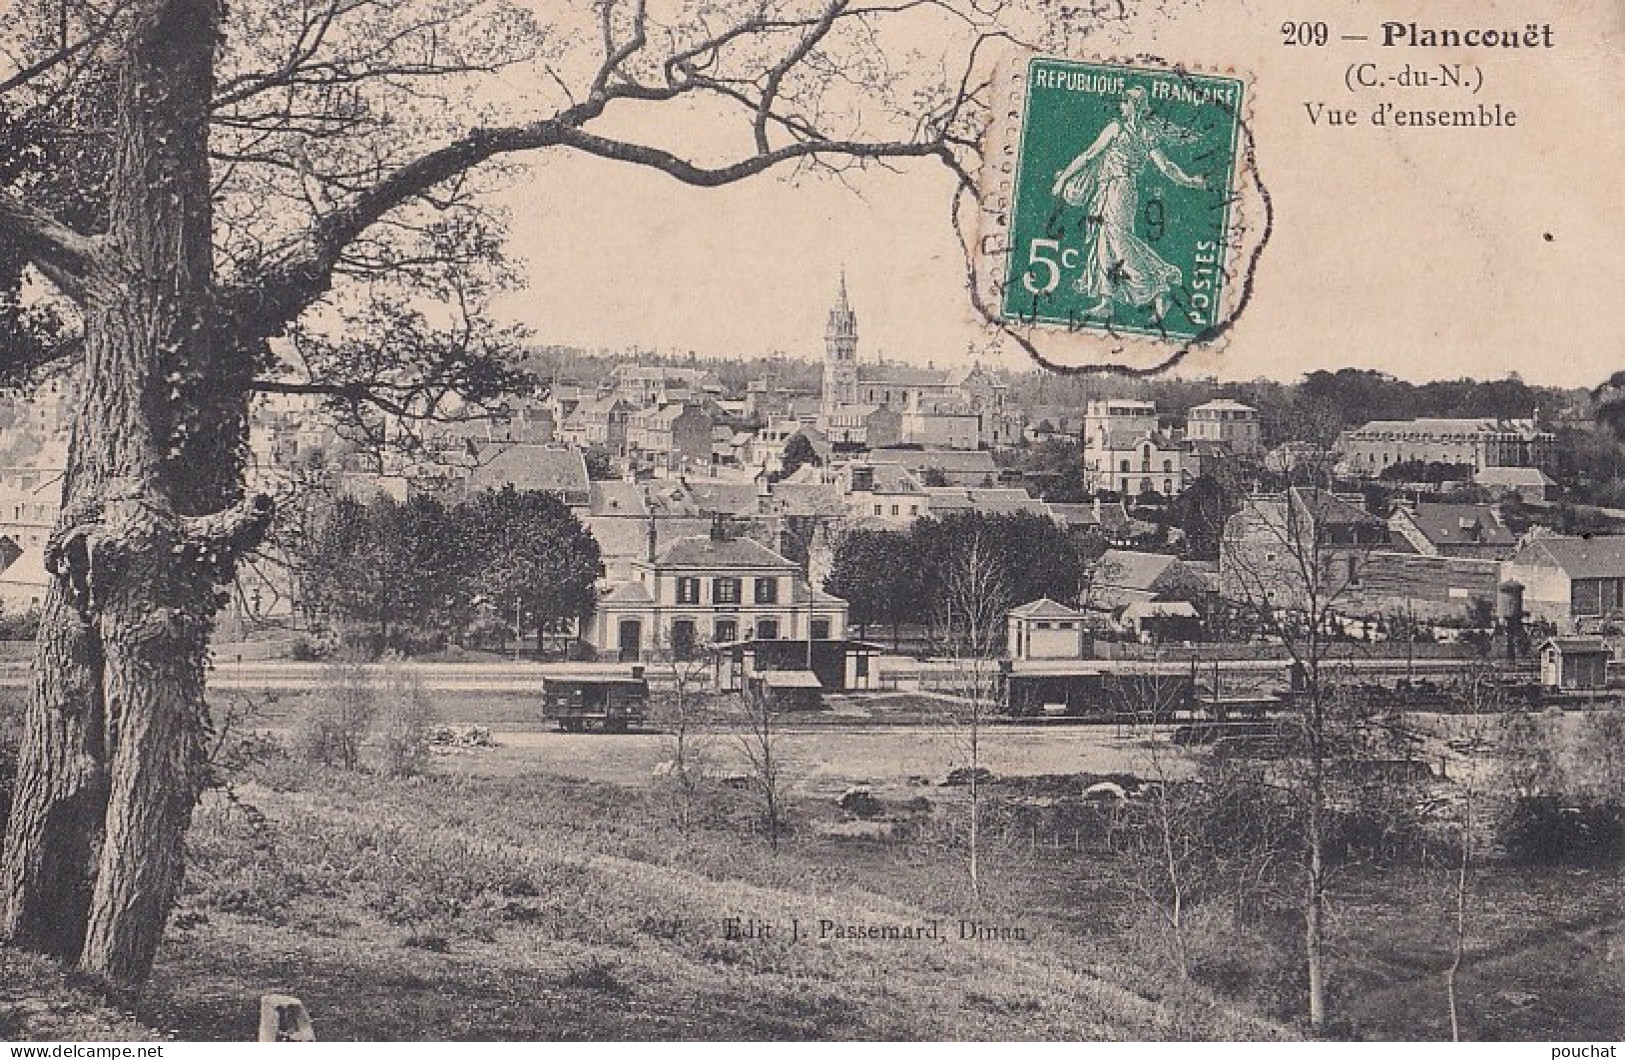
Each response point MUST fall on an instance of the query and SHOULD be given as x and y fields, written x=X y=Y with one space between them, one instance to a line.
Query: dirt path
x=820 y=761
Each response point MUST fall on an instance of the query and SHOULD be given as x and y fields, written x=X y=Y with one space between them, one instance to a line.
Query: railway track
x=228 y=674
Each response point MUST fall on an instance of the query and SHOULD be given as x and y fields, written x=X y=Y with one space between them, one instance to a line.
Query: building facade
x=963 y=410
x=670 y=437
x=841 y=356
x=1472 y=531
x=1228 y=423
x=1281 y=549
x=601 y=422
x=1476 y=443
x=647 y=385
x=1044 y=629
x=1125 y=452
x=1104 y=419
x=1570 y=581
x=712 y=589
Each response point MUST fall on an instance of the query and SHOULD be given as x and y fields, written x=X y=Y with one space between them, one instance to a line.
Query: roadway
x=823 y=760
x=227 y=674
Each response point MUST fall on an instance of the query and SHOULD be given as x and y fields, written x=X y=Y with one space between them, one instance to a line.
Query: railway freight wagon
x=605 y=702
x=1090 y=694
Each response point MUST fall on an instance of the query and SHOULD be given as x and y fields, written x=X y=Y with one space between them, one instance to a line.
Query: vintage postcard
x=811 y=520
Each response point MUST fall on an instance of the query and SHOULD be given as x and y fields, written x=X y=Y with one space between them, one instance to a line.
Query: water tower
x=1509 y=613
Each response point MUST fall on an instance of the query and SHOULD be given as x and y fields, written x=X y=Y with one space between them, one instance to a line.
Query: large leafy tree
x=396 y=571
x=1032 y=556
x=898 y=577
x=1056 y=464
x=798 y=453
x=530 y=555
x=272 y=197
x=1202 y=508
x=877 y=573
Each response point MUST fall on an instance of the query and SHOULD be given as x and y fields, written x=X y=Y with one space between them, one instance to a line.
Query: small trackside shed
x=839 y=665
x=1574 y=663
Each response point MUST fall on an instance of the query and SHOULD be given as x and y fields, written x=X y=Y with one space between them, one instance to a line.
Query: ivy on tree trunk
x=112 y=762
x=155 y=517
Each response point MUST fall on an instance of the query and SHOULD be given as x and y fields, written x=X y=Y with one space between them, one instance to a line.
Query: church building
x=877 y=404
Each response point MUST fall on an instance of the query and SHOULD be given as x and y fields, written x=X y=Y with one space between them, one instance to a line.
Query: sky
x=1427 y=254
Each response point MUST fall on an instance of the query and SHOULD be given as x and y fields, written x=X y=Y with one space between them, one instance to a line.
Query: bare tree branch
x=715 y=176
x=615 y=55
x=263 y=308
x=775 y=76
x=67 y=258
x=97 y=33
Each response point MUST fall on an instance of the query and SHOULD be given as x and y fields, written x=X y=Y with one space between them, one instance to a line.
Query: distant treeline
x=1320 y=403
x=570 y=364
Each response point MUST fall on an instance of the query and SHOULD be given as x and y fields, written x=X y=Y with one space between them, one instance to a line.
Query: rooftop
x=1600 y=556
x=1123 y=441
x=1328 y=508
x=711 y=553
x=624 y=539
x=1438 y=425
x=618 y=498
x=1578 y=645
x=1122 y=568
x=1461 y=524
x=604 y=405
x=951 y=461
x=27 y=569
x=1143 y=609
x=1512 y=476
x=946 y=498
x=627 y=593
x=665 y=415
x=991 y=499
x=892 y=478
x=901 y=375
x=728 y=498
x=534 y=467
x=791 y=679
x=807 y=498
x=1044 y=607
x=1073 y=514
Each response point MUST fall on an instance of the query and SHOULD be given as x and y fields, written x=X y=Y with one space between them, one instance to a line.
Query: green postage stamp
x=1114 y=227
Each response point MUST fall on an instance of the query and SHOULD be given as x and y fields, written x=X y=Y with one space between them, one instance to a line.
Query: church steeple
x=841 y=336
x=841 y=352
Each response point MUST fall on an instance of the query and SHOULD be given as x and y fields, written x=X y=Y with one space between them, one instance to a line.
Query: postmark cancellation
x=1120 y=210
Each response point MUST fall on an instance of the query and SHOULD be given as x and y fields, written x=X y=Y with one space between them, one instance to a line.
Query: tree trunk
x=1458 y=953
x=112 y=761
x=1315 y=882
x=61 y=797
x=975 y=799
x=1315 y=930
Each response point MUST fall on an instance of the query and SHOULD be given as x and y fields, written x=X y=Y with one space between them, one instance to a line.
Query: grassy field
x=542 y=889
x=1546 y=954
x=533 y=907
x=38 y=1002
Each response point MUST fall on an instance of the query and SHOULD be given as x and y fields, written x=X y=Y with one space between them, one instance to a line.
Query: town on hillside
x=730 y=508
x=1157 y=670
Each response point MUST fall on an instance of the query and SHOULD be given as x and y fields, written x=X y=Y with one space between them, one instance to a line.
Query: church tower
x=841 y=354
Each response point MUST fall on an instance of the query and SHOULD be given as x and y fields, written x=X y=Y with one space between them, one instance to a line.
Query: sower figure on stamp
x=1118 y=265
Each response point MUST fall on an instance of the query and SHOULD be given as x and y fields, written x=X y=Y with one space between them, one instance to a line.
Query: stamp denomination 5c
x=1116 y=201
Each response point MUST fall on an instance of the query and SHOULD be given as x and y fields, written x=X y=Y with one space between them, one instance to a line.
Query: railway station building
x=710 y=589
